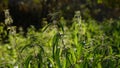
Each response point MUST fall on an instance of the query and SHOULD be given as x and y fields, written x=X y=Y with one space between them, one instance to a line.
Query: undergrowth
x=85 y=44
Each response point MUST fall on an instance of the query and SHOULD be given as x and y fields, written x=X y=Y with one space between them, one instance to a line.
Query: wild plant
x=84 y=44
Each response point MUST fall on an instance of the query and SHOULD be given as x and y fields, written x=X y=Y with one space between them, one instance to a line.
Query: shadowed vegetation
x=59 y=34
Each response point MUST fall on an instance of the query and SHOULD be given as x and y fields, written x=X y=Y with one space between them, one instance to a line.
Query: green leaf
x=23 y=48
x=64 y=63
x=27 y=61
x=73 y=56
x=52 y=62
x=45 y=27
x=99 y=65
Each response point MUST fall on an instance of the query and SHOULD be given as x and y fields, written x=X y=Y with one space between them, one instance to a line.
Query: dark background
x=32 y=12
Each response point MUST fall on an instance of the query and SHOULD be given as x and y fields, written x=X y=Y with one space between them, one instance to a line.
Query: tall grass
x=85 y=44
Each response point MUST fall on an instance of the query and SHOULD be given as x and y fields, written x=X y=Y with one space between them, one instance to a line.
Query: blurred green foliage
x=84 y=44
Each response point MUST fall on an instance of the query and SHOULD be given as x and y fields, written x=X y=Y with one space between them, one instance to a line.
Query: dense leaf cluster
x=84 y=44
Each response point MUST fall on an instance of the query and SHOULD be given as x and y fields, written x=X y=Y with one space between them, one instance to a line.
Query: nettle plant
x=7 y=44
x=84 y=44
x=57 y=45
